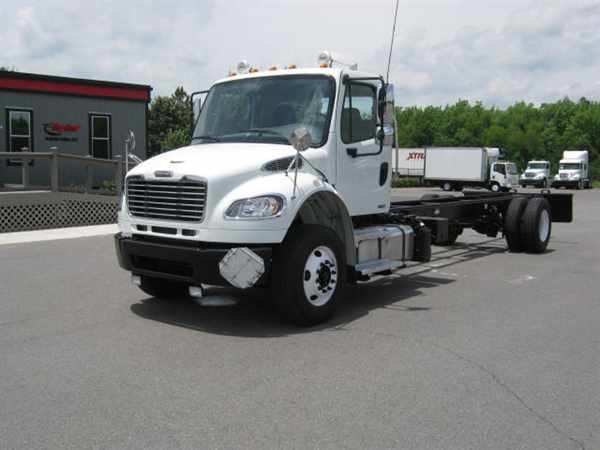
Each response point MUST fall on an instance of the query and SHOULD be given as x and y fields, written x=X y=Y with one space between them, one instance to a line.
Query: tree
x=169 y=122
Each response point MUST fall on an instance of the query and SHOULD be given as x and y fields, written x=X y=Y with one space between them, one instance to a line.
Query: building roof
x=30 y=82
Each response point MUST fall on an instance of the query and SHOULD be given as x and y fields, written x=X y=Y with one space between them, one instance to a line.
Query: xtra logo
x=58 y=129
x=415 y=155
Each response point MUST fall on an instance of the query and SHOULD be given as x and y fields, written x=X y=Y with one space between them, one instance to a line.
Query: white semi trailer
x=573 y=170
x=286 y=185
x=453 y=168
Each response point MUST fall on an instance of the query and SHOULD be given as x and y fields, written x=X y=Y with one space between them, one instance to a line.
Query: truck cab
x=536 y=174
x=573 y=170
x=503 y=176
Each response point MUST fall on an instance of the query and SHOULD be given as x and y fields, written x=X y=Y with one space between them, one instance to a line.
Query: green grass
x=596 y=184
x=401 y=182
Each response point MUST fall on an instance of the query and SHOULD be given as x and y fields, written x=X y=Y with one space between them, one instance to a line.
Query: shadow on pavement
x=255 y=316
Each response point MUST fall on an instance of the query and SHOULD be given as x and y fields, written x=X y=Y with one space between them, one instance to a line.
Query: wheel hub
x=320 y=276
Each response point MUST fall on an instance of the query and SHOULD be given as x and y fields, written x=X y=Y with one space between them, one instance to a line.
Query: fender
x=325 y=207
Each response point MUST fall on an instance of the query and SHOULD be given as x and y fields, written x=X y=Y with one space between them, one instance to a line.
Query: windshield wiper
x=262 y=131
x=208 y=138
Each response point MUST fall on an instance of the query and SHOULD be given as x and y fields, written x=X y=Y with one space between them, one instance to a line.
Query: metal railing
x=55 y=157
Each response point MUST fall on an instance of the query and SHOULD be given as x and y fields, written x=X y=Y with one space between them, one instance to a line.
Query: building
x=40 y=113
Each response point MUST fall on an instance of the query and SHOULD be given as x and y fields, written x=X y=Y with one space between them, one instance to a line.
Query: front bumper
x=186 y=261
x=531 y=182
x=565 y=183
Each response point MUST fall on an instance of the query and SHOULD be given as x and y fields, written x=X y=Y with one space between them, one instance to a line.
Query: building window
x=19 y=137
x=19 y=130
x=100 y=144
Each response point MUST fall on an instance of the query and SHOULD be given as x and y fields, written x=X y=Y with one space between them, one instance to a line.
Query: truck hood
x=214 y=161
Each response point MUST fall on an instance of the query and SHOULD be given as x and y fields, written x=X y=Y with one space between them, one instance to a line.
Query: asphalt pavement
x=479 y=349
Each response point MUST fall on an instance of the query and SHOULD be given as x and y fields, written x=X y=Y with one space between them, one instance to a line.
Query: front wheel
x=447 y=186
x=545 y=183
x=308 y=275
x=495 y=187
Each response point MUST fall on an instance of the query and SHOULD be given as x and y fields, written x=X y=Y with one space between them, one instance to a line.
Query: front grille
x=167 y=200
x=530 y=175
x=564 y=176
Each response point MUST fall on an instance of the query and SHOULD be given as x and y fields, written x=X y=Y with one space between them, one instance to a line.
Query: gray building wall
x=67 y=109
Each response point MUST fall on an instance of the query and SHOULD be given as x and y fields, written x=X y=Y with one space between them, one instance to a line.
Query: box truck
x=453 y=168
x=573 y=170
x=291 y=192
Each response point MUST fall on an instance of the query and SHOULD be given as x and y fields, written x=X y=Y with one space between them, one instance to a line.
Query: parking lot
x=478 y=349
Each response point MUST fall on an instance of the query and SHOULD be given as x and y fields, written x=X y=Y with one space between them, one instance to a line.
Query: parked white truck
x=286 y=185
x=453 y=168
x=537 y=174
x=573 y=170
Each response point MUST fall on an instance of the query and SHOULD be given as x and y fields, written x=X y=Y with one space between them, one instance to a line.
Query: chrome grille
x=166 y=200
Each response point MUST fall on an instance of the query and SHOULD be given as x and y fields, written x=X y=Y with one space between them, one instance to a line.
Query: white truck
x=453 y=168
x=286 y=185
x=537 y=174
x=573 y=170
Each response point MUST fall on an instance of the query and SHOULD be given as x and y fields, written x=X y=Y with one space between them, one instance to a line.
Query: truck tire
x=494 y=187
x=545 y=183
x=309 y=274
x=447 y=186
x=159 y=288
x=579 y=185
x=536 y=225
x=512 y=224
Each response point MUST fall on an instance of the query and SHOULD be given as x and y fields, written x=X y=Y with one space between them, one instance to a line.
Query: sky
x=497 y=52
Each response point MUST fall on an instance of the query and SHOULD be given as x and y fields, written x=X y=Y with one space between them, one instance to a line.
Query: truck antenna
x=387 y=77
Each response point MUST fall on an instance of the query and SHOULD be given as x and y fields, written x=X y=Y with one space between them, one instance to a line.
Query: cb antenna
x=387 y=77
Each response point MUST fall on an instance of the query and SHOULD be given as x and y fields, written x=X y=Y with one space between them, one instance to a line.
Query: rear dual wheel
x=528 y=225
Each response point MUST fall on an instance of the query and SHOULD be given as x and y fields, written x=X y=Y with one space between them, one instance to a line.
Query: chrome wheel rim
x=320 y=276
x=544 y=225
x=495 y=187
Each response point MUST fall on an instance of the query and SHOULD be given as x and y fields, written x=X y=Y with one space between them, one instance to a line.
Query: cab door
x=363 y=167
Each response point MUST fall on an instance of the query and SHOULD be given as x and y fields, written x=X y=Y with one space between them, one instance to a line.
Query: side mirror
x=301 y=139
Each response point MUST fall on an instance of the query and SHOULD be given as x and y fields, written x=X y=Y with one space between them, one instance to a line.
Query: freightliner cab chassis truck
x=286 y=185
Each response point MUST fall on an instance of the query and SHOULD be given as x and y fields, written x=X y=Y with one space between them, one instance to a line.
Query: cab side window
x=359 y=115
x=500 y=168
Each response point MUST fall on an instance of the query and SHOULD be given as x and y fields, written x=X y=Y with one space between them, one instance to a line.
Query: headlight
x=262 y=207
x=575 y=176
x=540 y=175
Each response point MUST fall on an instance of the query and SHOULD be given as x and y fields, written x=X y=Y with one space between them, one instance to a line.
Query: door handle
x=352 y=151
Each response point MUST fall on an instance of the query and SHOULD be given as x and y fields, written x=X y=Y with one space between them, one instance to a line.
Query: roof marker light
x=273 y=68
x=243 y=67
x=292 y=66
x=325 y=59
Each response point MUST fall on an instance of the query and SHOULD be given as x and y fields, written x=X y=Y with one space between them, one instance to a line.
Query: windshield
x=512 y=169
x=570 y=166
x=267 y=109
x=537 y=166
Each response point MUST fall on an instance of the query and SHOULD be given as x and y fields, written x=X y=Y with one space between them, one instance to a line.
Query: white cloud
x=497 y=51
